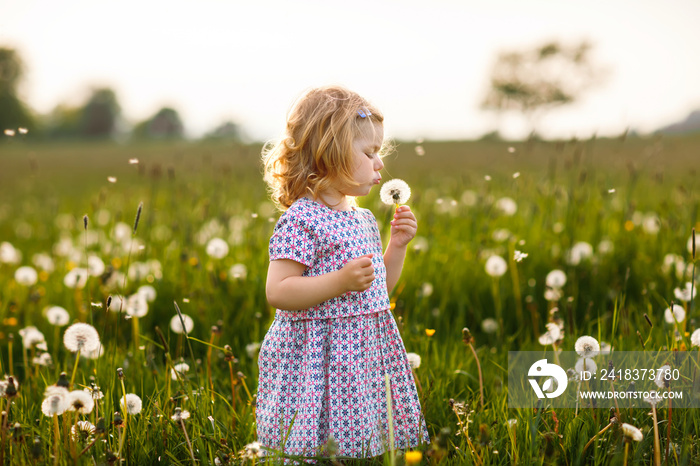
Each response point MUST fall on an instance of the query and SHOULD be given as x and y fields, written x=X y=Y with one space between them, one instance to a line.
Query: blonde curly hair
x=316 y=150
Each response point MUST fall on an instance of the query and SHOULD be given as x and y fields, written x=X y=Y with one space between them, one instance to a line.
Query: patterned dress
x=322 y=370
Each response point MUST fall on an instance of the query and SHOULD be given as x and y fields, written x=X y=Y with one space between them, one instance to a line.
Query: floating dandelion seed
x=217 y=248
x=395 y=191
x=516 y=175
x=26 y=275
x=414 y=360
x=133 y=161
x=131 y=403
x=55 y=401
x=496 y=266
x=551 y=336
x=176 y=324
x=686 y=294
x=487 y=177
x=22 y=130
x=179 y=369
x=631 y=433
x=420 y=151
x=674 y=313
x=511 y=149
x=57 y=316
x=507 y=206
x=80 y=401
x=519 y=256
x=556 y=279
x=112 y=179
x=587 y=346
x=81 y=337
x=9 y=132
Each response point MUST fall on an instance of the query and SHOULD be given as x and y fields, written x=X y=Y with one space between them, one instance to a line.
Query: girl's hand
x=403 y=226
x=358 y=274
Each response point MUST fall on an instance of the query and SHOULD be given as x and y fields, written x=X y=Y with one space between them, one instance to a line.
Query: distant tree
x=226 y=130
x=530 y=82
x=100 y=114
x=13 y=112
x=165 y=124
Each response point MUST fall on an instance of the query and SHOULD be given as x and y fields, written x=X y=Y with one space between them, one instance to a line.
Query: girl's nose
x=378 y=164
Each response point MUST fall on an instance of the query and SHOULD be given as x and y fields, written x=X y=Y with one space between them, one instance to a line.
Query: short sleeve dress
x=322 y=370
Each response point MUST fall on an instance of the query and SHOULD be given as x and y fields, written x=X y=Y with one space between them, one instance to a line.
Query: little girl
x=324 y=360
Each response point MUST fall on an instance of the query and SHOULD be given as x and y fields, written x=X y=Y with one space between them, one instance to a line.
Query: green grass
x=194 y=191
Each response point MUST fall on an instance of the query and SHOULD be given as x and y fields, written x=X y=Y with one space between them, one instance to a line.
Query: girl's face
x=366 y=160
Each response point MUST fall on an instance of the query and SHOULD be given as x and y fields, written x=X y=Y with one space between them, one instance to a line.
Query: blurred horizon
x=425 y=65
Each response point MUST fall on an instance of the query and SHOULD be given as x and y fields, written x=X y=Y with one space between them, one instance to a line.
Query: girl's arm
x=286 y=288
x=403 y=230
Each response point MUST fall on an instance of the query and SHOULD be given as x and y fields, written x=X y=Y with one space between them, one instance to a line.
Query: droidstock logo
x=556 y=376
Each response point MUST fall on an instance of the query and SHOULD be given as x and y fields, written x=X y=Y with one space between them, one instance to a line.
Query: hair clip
x=364 y=114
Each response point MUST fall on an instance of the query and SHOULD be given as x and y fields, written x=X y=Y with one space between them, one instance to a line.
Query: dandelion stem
x=657 y=443
x=56 y=440
x=233 y=396
x=189 y=445
x=627 y=450
x=481 y=378
x=668 y=429
x=75 y=369
x=516 y=282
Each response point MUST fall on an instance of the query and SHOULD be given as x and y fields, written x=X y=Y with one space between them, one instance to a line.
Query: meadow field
x=140 y=241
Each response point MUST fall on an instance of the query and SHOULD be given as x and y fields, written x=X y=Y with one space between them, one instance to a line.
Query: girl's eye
x=370 y=155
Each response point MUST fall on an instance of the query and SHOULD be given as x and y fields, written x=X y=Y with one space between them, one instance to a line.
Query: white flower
x=131 y=403
x=76 y=278
x=413 y=360
x=148 y=293
x=56 y=315
x=632 y=433
x=496 y=266
x=136 y=305
x=551 y=336
x=585 y=365
x=686 y=294
x=31 y=336
x=26 y=275
x=489 y=325
x=507 y=206
x=695 y=338
x=395 y=191
x=81 y=337
x=587 y=347
x=217 y=248
x=676 y=313
x=179 y=370
x=176 y=324
x=252 y=349
x=579 y=252
x=80 y=401
x=519 y=256
x=82 y=430
x=55 y=401
x=663 y=376
x=556 y=279
x=180 y=415
x=238 y=271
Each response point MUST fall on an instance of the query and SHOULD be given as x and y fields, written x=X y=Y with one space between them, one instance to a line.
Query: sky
x=425 y=64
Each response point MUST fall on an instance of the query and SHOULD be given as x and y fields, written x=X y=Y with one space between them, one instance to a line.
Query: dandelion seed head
x=80 y=401
x=663 y=376
x=487 y=177
x=147 y=292
x=176 y=324
x=587 y=346
x=76 y=278
x=579 y=252
x=43 y=359
x=556 y=279
x=585 y=365
x=252 y=349
x=551 y=336
x=131 y=403
x=26 y=275
x=685 y=294
x=674 y=313
x=653 y=398
x=136 y=306
x=631 y=433
x=179 y=369
x=94 y=391
x=82 y=431
x=496 y=266
x=31 y=336
x=414 y=360
x=55 y=400
x=217 y=248
x=81 y=337
x=180 y=415
x=507 y=206
x=695 y=338
x=395 y=191
x=519 y=256
x=489 y=325
x=57 y=315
